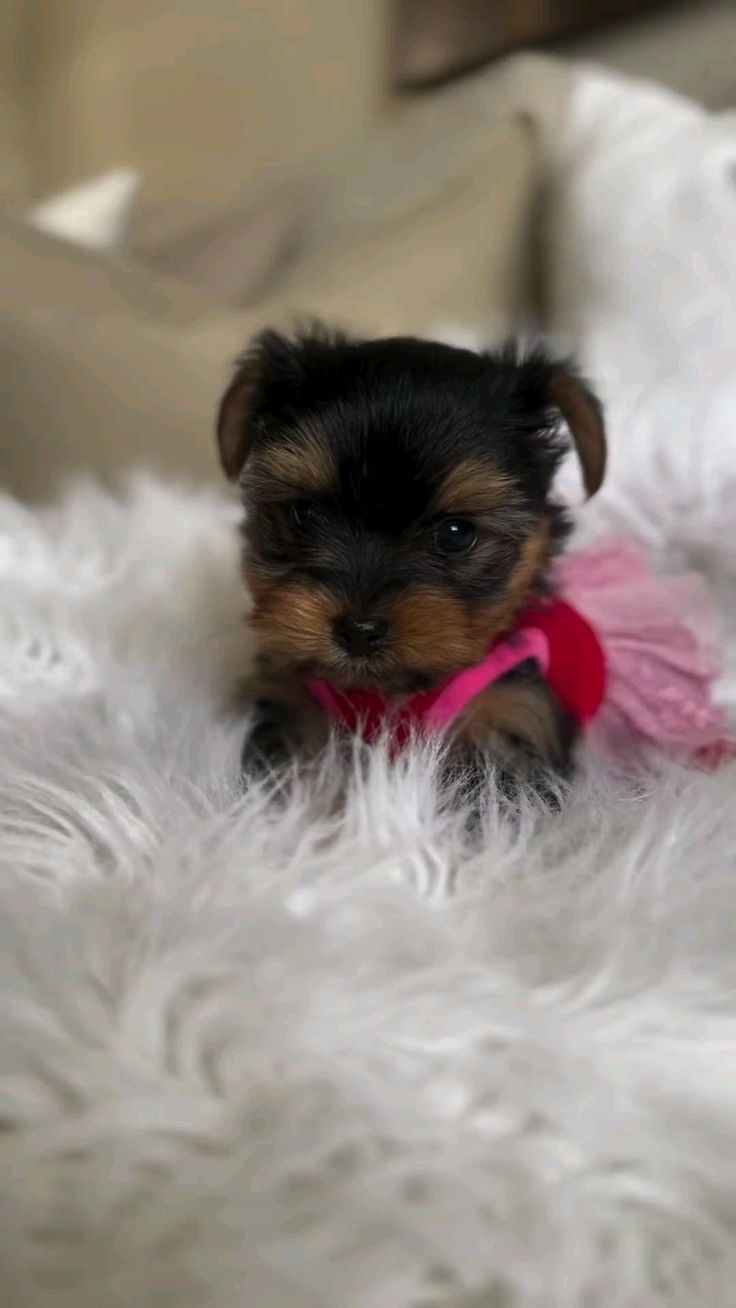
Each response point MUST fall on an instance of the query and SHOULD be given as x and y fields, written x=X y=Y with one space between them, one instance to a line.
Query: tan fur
x=305 y=468
x=293 y=623
x=432 y=629
x=473 y=487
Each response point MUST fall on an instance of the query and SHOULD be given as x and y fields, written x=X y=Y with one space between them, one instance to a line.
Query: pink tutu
x=660 y=638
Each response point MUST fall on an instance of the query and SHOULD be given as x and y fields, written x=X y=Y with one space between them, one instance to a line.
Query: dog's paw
x=268 y=747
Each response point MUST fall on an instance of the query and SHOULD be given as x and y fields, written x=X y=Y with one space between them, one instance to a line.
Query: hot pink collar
x=554 y=634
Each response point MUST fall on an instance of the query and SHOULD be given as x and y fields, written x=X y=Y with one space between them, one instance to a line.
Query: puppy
x=398 y=516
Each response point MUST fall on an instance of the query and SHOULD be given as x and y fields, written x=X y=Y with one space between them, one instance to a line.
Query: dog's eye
x=454 y=536
x=302 y=514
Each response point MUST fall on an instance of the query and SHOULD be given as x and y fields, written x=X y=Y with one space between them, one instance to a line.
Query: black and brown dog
x=399 y=514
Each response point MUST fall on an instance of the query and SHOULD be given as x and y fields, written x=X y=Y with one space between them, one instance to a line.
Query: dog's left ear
x=233 y=418
x=583 y=414
x=267 y=370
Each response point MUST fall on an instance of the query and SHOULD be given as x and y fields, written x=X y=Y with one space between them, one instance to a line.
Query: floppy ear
x=271 y=362
x=583 y=414
x=234 y=419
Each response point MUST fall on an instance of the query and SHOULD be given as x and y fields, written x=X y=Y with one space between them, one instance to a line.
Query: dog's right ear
x=271 y=363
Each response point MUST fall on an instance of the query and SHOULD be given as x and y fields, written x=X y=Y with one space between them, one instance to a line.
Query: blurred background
x=174 y=177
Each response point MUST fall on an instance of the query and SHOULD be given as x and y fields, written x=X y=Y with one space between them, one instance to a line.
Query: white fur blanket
x=280 y=1056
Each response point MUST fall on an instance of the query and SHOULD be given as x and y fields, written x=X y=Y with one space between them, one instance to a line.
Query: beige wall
x=111 y=367
x=13 y=163
x=251 y=83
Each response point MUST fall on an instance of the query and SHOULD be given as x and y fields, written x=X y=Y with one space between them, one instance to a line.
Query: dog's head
x=397 y=494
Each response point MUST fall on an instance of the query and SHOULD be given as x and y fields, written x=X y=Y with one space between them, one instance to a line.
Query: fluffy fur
x=276 y=1056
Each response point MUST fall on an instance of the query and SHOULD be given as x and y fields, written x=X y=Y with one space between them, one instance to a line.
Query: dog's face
x=397 y=499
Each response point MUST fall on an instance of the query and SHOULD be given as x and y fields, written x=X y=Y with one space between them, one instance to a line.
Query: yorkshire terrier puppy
x=398 y=516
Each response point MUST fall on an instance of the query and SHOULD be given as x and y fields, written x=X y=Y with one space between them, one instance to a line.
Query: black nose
x=360 y=635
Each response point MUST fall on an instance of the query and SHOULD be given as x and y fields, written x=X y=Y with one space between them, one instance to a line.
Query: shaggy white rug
x=255 y=1055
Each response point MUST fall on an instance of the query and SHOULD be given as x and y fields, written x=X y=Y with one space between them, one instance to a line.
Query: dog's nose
x=359 y=634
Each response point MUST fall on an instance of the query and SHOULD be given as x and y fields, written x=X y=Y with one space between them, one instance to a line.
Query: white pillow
x=640 y=241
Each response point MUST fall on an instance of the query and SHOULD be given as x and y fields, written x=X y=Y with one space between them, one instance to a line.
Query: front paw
x=534 y=780
x=268 y=746
x=474 y=782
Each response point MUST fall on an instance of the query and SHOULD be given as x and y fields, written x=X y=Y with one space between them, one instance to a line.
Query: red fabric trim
x=577 y=665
